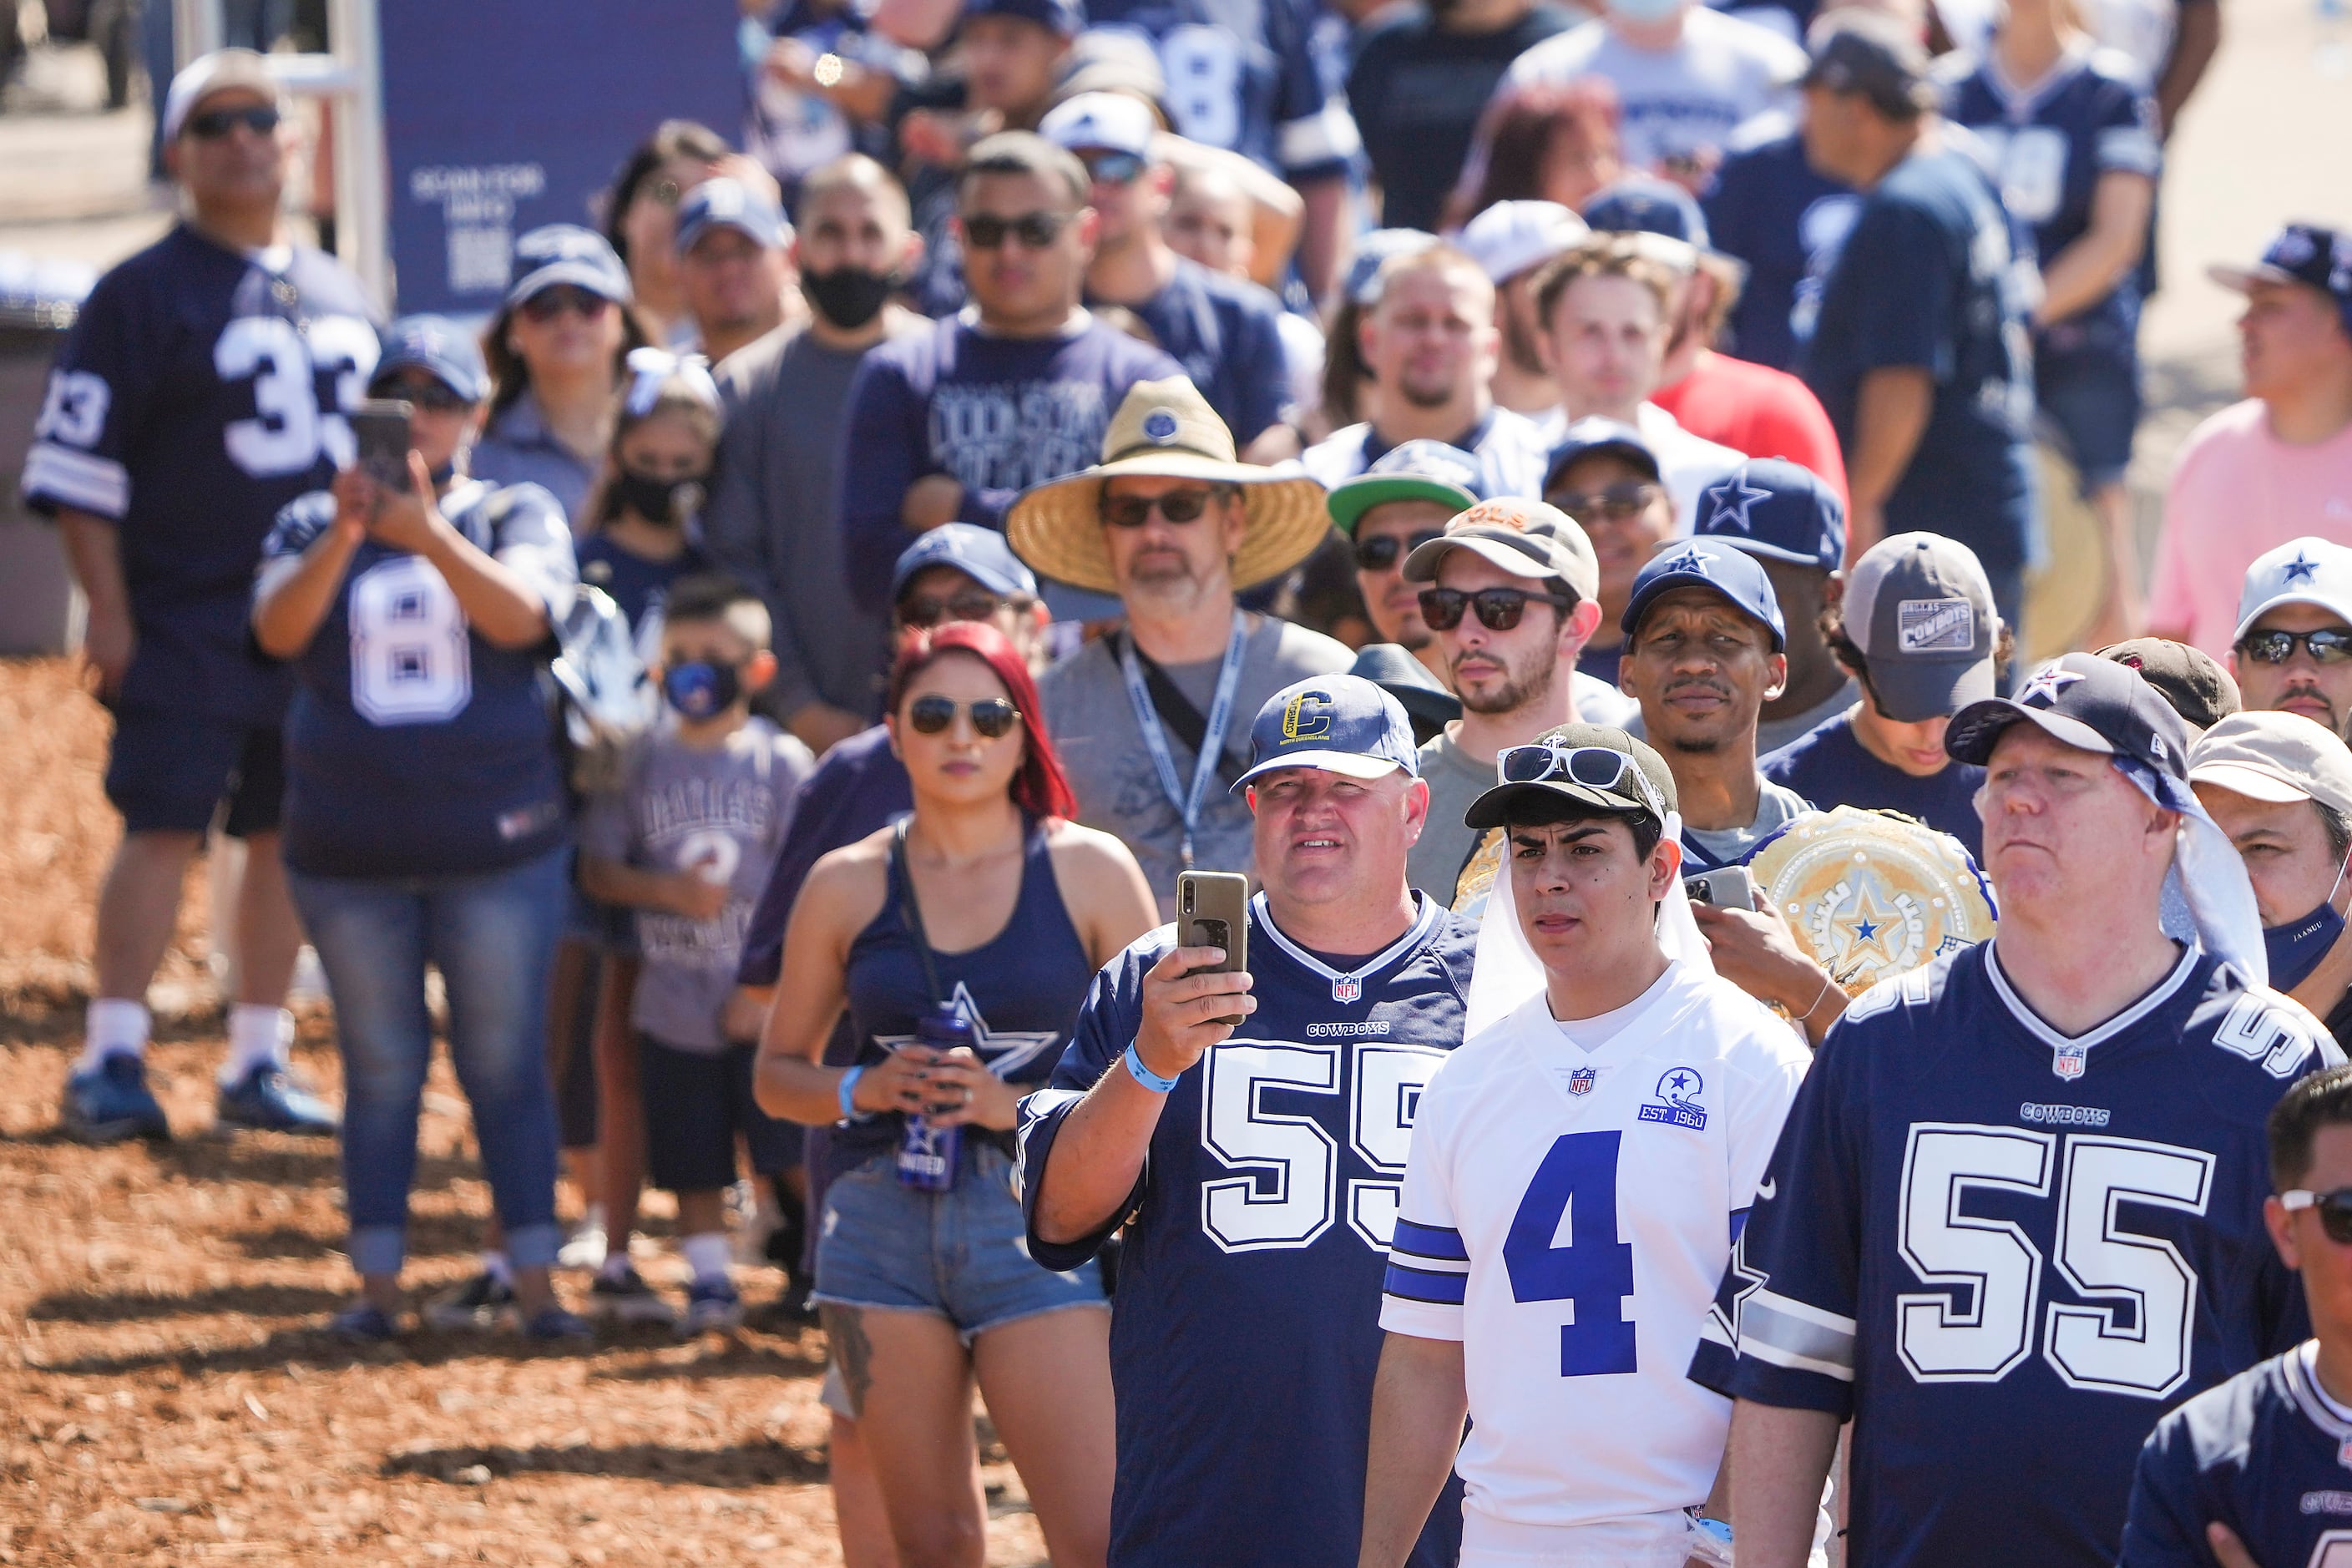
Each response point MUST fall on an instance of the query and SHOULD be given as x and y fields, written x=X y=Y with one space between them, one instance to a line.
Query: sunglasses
x=1383 y=550
x=212 y=124
x=1176 y=506
x=985 y=231
x=1618 y=503
x=1595 y=767
x=2334 y=1210
x=1499 y=609
x=428 y=394
x=1113 y=168
x=2329 y=645
x=972 y=605
x=550 y=303
x=992 y=717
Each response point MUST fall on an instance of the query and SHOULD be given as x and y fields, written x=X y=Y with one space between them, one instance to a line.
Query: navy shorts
x=695 y=1102
x=2092 y=399
x=170 y=771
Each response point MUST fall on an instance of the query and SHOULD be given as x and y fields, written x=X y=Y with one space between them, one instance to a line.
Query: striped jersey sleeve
x=1429 y=1266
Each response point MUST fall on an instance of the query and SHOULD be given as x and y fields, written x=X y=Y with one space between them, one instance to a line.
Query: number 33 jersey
x=1567 y=1216
x=2005 y=1251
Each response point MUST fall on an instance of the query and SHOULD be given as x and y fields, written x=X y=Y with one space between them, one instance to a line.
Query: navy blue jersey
x=1249 y=1290
x=414 y=747
x=1926 y=280
x=1830 y=767
x=2268 y=1453
x=636 y=583
x=1772 y=210
x=202 y=389
x=1227 y=334
x=2051 y=144
x=1243 y=75
x=2006 y=1252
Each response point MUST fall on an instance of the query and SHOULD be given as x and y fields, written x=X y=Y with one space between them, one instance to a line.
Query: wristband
x=1144 y=1075
x=847 y=1093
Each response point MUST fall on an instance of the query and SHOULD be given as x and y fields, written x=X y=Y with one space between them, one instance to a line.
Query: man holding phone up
x=1257 y=1168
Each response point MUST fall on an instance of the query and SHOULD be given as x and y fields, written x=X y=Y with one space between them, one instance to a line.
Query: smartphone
x=380 y=424
x=1727 y=887
x=1212 y=910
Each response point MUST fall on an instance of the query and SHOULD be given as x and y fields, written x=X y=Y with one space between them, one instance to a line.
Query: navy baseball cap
x=1644 y=204
x=1340 y=724
x=1713 y=564
x=980 y=554
x=1780 y=510
x=2305 y=253
x=1874 y=55
x=566 y=253
x=1594 y=434
x=439 y=347
x=1417 y=470
x=1374 y=251
x=1392 y=668
x=2084 y=700
x=720 y=202
x=1065 y=17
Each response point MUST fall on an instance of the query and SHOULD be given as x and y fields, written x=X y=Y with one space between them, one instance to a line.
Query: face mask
x=1645 y=10
x=2296 y=947
x=701 y=690
x=848 y=295
x=657 y=500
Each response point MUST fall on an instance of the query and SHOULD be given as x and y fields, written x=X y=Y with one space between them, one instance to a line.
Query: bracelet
x=847 y=1094
x=1828 y=980
x=1144 y=1075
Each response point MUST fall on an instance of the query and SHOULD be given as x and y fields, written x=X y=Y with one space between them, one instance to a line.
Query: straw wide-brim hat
x=1166 y=429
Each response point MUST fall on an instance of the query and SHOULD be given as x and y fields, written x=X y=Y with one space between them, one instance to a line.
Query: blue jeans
x=493 y=938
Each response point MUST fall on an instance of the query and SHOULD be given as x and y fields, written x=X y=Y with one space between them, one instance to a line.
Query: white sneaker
x=586 y=1247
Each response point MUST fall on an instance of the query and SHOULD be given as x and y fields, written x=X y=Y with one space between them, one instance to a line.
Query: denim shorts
x=962 y=1254
x=2094 y=400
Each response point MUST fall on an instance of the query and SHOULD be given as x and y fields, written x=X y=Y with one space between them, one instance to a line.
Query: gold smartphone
x=1212 y=910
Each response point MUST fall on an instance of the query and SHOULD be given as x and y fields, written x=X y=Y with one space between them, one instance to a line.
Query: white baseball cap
x=212 y=73
x=2276 y=757
x=1114 y=121
x=1511 y=236
x=2307 y=571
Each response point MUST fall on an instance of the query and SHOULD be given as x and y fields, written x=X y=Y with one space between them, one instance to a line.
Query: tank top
x=1021 y=989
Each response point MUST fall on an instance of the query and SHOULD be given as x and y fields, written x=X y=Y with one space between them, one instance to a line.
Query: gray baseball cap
x=1918 y=607
x=1525 y=538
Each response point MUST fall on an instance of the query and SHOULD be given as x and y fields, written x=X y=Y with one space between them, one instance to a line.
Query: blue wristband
x=1144 y=1075
x=847 y=1095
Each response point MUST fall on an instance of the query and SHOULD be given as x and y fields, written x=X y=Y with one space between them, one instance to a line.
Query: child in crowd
x=686 y=842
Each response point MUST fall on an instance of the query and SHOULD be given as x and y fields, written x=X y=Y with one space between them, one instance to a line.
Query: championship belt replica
x=1872 y=894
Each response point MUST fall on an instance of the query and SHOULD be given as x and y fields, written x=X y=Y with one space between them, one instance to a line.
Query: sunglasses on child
x=2334 y=1210
x=985 y=231
x=1383 y=550
x=1498 y=609
x=212 y=124
x=992 y=717
x=2329 y=645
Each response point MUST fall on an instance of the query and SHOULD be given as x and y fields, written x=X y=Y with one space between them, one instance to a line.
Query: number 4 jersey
x=1568 y=1213
x=1247 y=1331
x=201 y=390
x=2006 y=1252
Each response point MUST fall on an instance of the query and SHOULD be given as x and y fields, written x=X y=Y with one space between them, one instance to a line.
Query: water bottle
x=927 y=1155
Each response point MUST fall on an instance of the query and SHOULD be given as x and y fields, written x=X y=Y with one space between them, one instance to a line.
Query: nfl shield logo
x=1347 y=988
x=2344 y=1453
x=1581 y=1081
x=2068 y=1061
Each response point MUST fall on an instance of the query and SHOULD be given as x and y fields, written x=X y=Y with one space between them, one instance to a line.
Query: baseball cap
x=2197 y=687
x=2306 y=571
x=1109 y=60
x=1066 y=17
x=439 y=347
x=1414 y=471
x=1391 y=668
x=1594 y=434
x=566 y=253
x=1663 y=219
x=1918 y=607
x=1780 y=510
x=1708 y=564
x=1878 y=56
x=1340 y=724
x=215 y=72
x=1587 y=781
x=980 y=554
x=1112 y=121
x=1374 y=251
x=2082 y=701
x=1525 y=538
x=1509 y=238
x=721 y=202
x=2305 y=253
x=2276 y=757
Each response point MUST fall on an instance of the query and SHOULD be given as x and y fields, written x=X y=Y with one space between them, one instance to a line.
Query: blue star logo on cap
x=2300 y=569
x=2042 y=690
x=1159 y=425
x=1733 y=500
x=1689 y=560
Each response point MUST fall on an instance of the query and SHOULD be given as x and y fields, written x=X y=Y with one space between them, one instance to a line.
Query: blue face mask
x=2296 y=947
x=701 y=690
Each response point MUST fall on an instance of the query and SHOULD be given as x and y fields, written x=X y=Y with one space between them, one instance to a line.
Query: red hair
x=1040 y=788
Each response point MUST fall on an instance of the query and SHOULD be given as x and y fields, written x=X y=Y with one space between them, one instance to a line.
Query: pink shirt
x=2237 y=491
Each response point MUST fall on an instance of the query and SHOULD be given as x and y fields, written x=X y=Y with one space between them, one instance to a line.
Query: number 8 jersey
x=2005 y=1252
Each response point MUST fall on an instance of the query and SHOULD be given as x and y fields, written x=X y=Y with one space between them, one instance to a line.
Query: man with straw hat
x=1171 y=522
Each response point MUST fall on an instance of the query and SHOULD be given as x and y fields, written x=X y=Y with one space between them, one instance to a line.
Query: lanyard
x=1212 y=738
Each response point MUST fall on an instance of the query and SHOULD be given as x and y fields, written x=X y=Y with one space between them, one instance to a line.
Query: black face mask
x=701 y=689
x=848 y=295
x=657 y=500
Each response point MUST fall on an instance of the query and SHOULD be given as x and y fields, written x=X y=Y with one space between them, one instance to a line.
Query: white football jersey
x=1567 y=1215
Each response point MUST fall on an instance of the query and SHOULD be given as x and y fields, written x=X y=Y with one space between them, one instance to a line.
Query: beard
x=1519 y=346
x=1521 y=689
x=1425 y=394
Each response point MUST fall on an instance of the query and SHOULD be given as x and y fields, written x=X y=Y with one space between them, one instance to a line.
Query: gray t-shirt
x=1094 y=731
x=1732 y=846
x=725 y=810
x=1771 y=734
x=1435 y=863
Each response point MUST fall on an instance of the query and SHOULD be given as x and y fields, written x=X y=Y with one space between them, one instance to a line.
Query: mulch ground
x=167 y=1393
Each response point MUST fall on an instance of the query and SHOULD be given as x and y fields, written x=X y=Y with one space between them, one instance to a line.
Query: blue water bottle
x=927 y=1155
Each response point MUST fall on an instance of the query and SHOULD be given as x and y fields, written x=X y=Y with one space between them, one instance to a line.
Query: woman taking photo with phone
x=989 y=901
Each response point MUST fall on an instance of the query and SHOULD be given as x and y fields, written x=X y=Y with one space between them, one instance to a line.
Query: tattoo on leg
x=853 y=1352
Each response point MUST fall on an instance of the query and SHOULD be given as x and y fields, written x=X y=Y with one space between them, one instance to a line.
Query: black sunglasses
x=425 y=391
x=2334 y=1210
x=551 y=303
x=972 y=604
x=2329 y=645
x=1176 y=506
x=1113 y=168
x=1383 y=550
x=1619 y=504
x=985 y=231
x=992 y=717
x=212 y=124
x=1499 y=609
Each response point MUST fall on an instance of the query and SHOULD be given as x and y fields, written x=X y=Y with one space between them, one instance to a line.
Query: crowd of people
x=1483 y=472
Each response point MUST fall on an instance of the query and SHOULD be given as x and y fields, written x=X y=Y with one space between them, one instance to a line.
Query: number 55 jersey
x=2005 y=1251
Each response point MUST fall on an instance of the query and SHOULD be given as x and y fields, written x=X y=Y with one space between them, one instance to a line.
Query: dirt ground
x=166 y=1393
